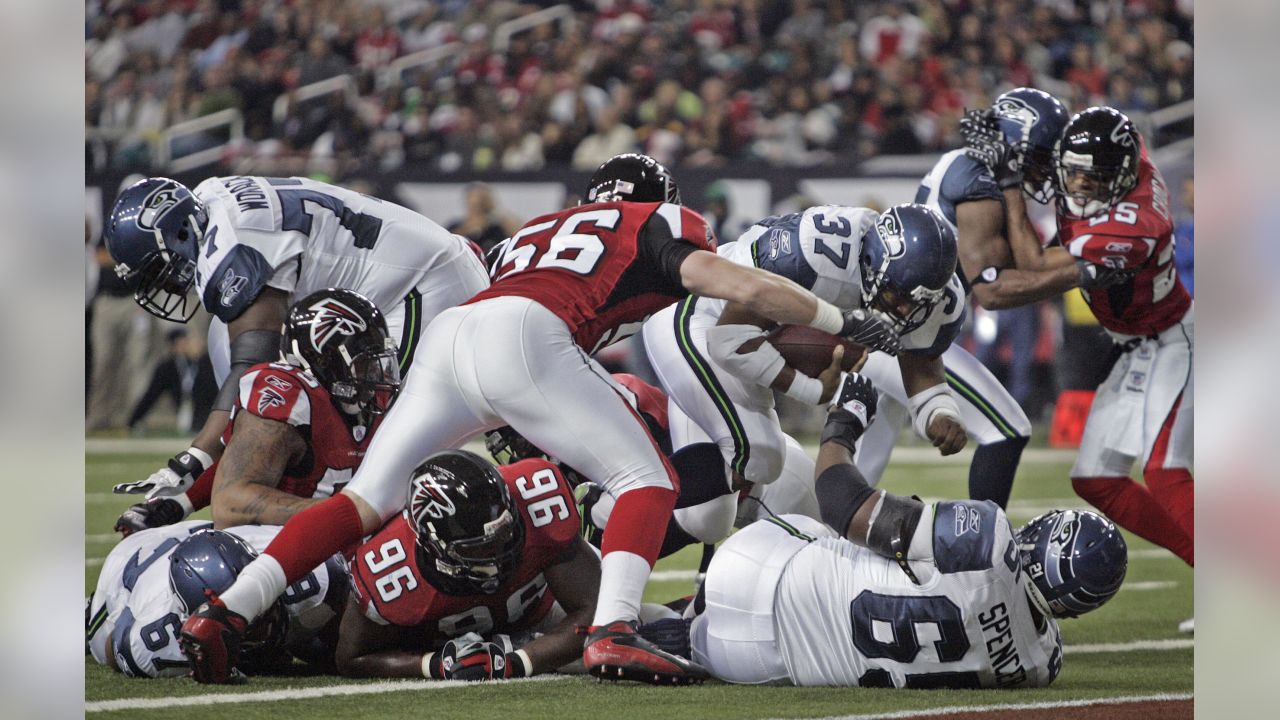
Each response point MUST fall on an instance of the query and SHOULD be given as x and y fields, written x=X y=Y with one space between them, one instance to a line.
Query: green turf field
x=1131 y=647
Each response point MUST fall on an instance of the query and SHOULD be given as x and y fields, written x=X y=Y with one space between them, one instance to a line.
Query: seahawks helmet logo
x=429 y=500
x=331 y=319
x=156 y=206
x=890 y=232
x=1016 y=109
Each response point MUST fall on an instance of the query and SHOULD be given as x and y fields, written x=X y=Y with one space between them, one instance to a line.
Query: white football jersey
x=818 y=249
x=144 y=630
x=847 y=616
x=300 y=236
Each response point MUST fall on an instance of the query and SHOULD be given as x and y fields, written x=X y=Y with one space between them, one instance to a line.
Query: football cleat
x=210 y=639
x=617 y=652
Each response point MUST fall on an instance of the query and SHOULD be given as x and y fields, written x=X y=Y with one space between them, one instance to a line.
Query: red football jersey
x=1135 y=233
x=392 y=590
x=287 y=394
x=602 y=268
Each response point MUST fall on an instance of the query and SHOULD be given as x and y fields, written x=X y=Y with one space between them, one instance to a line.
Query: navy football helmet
x=470 y=536
x=154 y=233
x=1097 y=161
x=906 y=261
x=1031 y=121
x=211 y=560
x=341 y=338
x=1075 y=561
x=632 y=177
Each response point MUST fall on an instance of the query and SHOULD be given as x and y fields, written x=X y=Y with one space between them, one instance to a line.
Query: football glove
x=470 y=659
x=985 y=143
x=852 y=410
x=175 y=477
x=1096 y=277
x=869 y=331
x=156 y=512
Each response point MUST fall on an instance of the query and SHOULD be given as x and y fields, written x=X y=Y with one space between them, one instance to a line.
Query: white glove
x=760 y=366
x=173 y=479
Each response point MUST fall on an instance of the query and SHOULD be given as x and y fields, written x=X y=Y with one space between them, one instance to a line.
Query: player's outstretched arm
x=367 y=649
x=775 y=297
x=245 y=485
x=575 y=583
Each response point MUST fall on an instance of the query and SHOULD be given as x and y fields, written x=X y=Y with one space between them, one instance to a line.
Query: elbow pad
x=759 y=366
x=930 y=402
x=247 y=349
x=840 y=491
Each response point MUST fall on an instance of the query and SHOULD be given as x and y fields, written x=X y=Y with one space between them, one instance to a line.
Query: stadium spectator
x=1184 y=255
x=185 y=375
x=483 y=224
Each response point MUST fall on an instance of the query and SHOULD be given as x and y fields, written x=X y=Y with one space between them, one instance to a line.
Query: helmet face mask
x=341 y=339
x=154 y=234
x=469 y=536
x=906 y=261
x=631 y=177
x=1096 y=162
x=1075 y=561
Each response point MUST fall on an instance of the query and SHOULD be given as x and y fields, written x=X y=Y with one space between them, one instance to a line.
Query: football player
x=720 y=374
x=249 y=247
x=153 y=579
x=478 y=550
x=565 y=285
x=1113 y=210
x=1002 y=265
x=300 y=426
x=908 y=594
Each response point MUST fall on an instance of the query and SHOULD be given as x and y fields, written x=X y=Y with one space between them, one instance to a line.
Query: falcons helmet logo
x=429 y=501
x=331 y=319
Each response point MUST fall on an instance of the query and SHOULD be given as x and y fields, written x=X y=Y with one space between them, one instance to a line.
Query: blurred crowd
x=691 y=82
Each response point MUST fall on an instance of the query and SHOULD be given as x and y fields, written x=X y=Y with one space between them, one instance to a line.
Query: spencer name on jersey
x=1136 y=234
x=391 y=589
x=299 y=236
x=818 y=249
x=601 y=268
x=847 y=616
x=284 y=393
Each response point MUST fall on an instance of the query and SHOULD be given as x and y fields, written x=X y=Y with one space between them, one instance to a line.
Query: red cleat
x=210 y=639
x=616 y=652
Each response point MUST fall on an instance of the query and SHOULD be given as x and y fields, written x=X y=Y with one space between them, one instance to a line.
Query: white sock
x=259 y=584
x=622 y=579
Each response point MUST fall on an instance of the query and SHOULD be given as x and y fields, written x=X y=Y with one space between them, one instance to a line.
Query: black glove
x=476 y=660
x=852 y=411
x=156 y=512
x=985 y=143
x=869 y=331
x=1096 y=277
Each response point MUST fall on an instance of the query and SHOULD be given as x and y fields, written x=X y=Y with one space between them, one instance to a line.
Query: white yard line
x=1173 y=644
x=958 y=710
x=1149 y=585
x=377 y=688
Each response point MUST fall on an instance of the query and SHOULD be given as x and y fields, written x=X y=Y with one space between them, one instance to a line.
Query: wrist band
x=519 y=664
x=805 y=389
x=203 y=457
x=828 y=318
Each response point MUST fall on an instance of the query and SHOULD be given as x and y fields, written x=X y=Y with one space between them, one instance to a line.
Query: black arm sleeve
x=841 y=490
x=247 y=349
x=661 y=250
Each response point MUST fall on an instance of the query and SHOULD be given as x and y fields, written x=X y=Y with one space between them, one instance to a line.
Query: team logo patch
x=230 y=286
x=332 y=319
x=278 y=383
x=1119 y=136
x=429 y=500
x=268 y=399
x=779 y=242
x=890 y=231
x=1119 y=247
x=967 y=519
x=157 y=205
x=1012 y=108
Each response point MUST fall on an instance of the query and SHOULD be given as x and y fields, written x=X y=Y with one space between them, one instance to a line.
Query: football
x=809 y=350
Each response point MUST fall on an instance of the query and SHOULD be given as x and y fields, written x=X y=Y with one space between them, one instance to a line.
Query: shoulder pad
x=778 y=250
x=964 y=533
x=968 y=179
x=236 y=283
x=274 y=393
